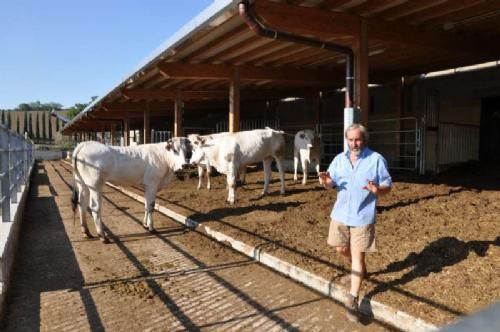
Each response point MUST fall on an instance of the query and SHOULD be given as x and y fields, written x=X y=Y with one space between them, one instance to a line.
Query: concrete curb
x=396 y=318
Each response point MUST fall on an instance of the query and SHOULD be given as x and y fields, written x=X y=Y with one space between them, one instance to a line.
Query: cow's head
x=198 y=155
x=182 y=149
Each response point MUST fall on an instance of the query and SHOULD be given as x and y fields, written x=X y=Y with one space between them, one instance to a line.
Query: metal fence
x=223 y=126
x=398 y=140
x=16 y=161
x=158 y=136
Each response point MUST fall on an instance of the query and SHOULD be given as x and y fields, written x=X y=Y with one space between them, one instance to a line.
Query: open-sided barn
x=312 y=63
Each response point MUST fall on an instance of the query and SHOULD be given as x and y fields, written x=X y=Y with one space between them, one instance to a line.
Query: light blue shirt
x=356 y=206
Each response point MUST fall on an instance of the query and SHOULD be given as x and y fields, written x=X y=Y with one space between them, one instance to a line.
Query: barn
x=422 y=75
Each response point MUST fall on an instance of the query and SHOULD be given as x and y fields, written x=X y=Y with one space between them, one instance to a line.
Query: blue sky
x=67 y=51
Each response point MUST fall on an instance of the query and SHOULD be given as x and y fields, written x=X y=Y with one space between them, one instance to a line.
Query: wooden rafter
x=307 y=21
x=220 y=71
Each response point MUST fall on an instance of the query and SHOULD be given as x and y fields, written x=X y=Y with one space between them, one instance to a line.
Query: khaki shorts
x=361 y=238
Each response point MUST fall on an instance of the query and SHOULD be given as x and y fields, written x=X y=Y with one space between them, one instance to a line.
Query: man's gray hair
x=359 y=126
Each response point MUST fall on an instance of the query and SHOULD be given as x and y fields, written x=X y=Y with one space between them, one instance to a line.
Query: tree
x=30 y=126
x=37 y=127
x=18 y=123
x=44 y=132
x=50 y=128
x=9 y=120
x=3 y=117
x=74 y=110
x=25 y=121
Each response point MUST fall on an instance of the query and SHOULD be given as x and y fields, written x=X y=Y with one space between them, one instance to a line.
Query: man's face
x=356 y=141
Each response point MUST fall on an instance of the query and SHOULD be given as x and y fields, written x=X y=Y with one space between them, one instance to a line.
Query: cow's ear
x=168 y=146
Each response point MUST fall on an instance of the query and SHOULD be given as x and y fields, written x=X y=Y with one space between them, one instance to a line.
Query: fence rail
x=16 y=160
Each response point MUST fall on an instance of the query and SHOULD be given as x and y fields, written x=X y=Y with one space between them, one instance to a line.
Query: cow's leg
x=317 y=170
x=200 y=175
x=279 y=164
x=209 y=170
x=242 y=176
x=95 y=208
x=267 y=175
x=83 y=199
x=149 y=206
x=232 y=171
x=295 y=165
x=305 y=168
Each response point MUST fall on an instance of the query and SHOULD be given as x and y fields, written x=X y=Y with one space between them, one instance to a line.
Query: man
x=360 y=176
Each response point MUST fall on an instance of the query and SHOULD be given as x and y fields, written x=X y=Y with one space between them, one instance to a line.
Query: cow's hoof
x=104 y=240
x=145 y=226
x=87 y=235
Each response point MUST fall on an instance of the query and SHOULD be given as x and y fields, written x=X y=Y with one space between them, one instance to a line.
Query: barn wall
x=455 y=138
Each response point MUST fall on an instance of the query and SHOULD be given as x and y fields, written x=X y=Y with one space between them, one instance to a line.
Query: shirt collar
x=361 y=155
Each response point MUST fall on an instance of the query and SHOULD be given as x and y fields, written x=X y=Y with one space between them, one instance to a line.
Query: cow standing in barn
x=152 y=165
x=307 y=149
x=229 y=154
x=197 y=141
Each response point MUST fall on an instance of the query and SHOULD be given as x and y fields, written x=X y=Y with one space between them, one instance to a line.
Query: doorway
x=489 y=133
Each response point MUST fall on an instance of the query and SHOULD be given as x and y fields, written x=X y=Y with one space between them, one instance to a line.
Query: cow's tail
x=74 y=196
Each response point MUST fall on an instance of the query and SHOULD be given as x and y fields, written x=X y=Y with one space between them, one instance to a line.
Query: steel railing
x=16 y=161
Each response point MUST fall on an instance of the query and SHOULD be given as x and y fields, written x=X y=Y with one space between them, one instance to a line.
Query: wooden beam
x=325 y=24
x=361 y=74
x=220 y=71
x=178 y=115
x=170 y=94
x=147 y=126
x=234 y=103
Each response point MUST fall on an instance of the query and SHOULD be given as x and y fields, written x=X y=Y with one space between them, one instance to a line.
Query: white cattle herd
x=154 y=165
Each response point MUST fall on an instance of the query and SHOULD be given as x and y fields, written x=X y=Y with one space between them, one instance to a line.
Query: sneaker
x=352 y=308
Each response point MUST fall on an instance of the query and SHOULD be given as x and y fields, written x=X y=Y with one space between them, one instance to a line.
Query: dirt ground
x=438 y=239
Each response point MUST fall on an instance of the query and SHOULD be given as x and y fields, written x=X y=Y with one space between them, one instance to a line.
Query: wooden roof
x=405 y=37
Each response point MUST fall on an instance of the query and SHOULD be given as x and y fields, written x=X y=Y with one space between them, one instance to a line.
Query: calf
x=307 y=148
x=230 y=154
x=152 y=165
x=197 y=141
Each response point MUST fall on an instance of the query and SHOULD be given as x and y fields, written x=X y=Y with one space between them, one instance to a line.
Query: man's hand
x=375 y=189
x=325 y=179
x=371 y=187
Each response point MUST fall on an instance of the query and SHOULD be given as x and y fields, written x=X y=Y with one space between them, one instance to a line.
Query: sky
x=67 y=51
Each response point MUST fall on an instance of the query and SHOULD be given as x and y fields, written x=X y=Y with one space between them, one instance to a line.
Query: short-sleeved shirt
x=356 y=206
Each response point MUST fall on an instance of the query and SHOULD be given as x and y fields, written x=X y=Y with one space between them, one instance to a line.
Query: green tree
x=3 y=117
x=37 y=127
x=18 y=124
x=30 y=126
x=9 y=120
x=50 y=128
x=74 y=110
x=25 y=121
x=44 y=121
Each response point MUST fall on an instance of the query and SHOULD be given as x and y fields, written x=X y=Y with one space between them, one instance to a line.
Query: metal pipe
x=259 y=28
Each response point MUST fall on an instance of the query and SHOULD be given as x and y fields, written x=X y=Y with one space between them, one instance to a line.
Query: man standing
x=360 y=176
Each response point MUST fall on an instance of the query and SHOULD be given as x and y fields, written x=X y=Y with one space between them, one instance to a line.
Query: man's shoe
x=352 y=307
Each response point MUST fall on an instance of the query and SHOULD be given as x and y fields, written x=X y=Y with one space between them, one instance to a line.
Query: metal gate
x=398 y=140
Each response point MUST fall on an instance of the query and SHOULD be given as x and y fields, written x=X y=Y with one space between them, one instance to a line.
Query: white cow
x=232 y=152
x=307 y=148
x=152 y=165
x=204 y=164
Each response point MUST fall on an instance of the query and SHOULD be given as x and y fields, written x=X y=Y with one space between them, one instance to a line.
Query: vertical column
x=126 y=132
x=361 y=73
x=147 y=126
x=178 y=114
x=113 y=133
x=234 y=102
